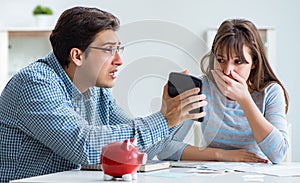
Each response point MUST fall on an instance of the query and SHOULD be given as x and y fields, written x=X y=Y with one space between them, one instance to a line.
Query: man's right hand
x=176 y=110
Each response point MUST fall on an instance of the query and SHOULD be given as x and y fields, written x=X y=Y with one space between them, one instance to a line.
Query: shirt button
x=158 y=139
x=77 y=109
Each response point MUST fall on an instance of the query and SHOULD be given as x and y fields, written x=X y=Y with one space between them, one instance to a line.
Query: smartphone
x=179 y=83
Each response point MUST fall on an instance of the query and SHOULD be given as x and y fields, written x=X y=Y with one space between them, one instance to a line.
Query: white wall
x=190 y=19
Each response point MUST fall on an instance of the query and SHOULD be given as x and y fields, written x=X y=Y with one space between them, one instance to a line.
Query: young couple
x=57 y=113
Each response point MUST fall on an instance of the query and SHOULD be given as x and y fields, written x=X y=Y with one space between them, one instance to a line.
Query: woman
x=247 y=104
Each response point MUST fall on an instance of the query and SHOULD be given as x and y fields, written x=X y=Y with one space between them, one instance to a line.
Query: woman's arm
x=175 y=149
x=269 y=126
x=260 y=126
x=194 y=153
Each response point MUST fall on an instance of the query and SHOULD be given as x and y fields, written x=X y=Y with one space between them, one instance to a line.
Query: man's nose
x=117 y=59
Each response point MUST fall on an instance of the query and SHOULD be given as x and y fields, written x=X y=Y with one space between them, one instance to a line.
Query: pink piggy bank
x=121 y=160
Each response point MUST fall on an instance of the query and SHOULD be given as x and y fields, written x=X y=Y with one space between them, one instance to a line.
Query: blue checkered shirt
x=47 y=125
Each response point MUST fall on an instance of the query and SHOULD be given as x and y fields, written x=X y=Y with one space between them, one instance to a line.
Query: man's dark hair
x=77 y=28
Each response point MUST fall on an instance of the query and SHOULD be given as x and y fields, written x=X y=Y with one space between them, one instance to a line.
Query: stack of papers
x=288 y=169
x=282 y=170
x=154 y=165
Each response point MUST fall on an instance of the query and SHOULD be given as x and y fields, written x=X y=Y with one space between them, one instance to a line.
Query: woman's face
x=227 y=65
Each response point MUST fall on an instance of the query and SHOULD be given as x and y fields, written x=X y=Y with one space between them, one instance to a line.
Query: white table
x=172 y=175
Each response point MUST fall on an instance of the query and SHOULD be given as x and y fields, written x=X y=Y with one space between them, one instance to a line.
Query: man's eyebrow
x=111 y=43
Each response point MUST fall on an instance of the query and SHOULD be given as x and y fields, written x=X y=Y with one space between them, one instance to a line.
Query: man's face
x=100 y=66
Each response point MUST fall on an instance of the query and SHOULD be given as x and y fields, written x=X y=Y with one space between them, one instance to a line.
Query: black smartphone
x=179 y=83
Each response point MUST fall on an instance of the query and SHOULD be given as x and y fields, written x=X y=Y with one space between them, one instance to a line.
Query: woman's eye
x=220 y=60
x=238 y=62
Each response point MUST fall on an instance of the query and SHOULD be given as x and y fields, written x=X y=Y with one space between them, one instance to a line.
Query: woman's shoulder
x=203 y=77
x=273 y=93
x=207 y=82
x=273 y=88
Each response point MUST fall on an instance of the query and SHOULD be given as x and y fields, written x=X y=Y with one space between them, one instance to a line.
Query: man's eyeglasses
x=112 y=51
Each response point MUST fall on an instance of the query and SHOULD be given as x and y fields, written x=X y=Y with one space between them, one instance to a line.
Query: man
x=58 y=112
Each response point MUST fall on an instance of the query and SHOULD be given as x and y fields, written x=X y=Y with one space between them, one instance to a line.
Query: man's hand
x=176 y=110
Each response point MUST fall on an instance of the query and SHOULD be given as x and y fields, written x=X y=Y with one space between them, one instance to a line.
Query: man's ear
x=76 y=56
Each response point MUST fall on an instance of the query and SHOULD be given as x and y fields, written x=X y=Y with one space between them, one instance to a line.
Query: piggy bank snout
x=142 y=158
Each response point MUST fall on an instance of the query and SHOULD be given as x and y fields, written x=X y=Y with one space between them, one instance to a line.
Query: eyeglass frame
x=113 y=51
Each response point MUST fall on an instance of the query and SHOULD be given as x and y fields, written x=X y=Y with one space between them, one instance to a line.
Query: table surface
x=171 y=175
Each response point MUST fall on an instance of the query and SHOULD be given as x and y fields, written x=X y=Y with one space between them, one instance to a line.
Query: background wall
x=189 y=19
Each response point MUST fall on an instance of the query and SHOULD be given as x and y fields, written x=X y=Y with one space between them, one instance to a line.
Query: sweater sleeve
x=276 y=144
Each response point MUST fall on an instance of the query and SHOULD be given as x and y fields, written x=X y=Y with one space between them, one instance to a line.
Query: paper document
x=284 y=169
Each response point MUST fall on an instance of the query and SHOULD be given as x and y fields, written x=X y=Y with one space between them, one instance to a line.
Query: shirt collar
x=72 y=90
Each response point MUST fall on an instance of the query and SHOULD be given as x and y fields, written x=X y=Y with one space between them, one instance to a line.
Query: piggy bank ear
x=126 y=145
x=133 y=141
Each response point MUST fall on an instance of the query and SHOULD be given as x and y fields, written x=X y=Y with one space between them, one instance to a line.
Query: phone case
x=179 y=83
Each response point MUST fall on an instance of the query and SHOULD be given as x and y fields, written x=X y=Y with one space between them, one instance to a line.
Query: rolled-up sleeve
x=174 y=147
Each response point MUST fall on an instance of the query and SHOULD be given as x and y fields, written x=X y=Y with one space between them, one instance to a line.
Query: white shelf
x=19 y=46
x=25 y=29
